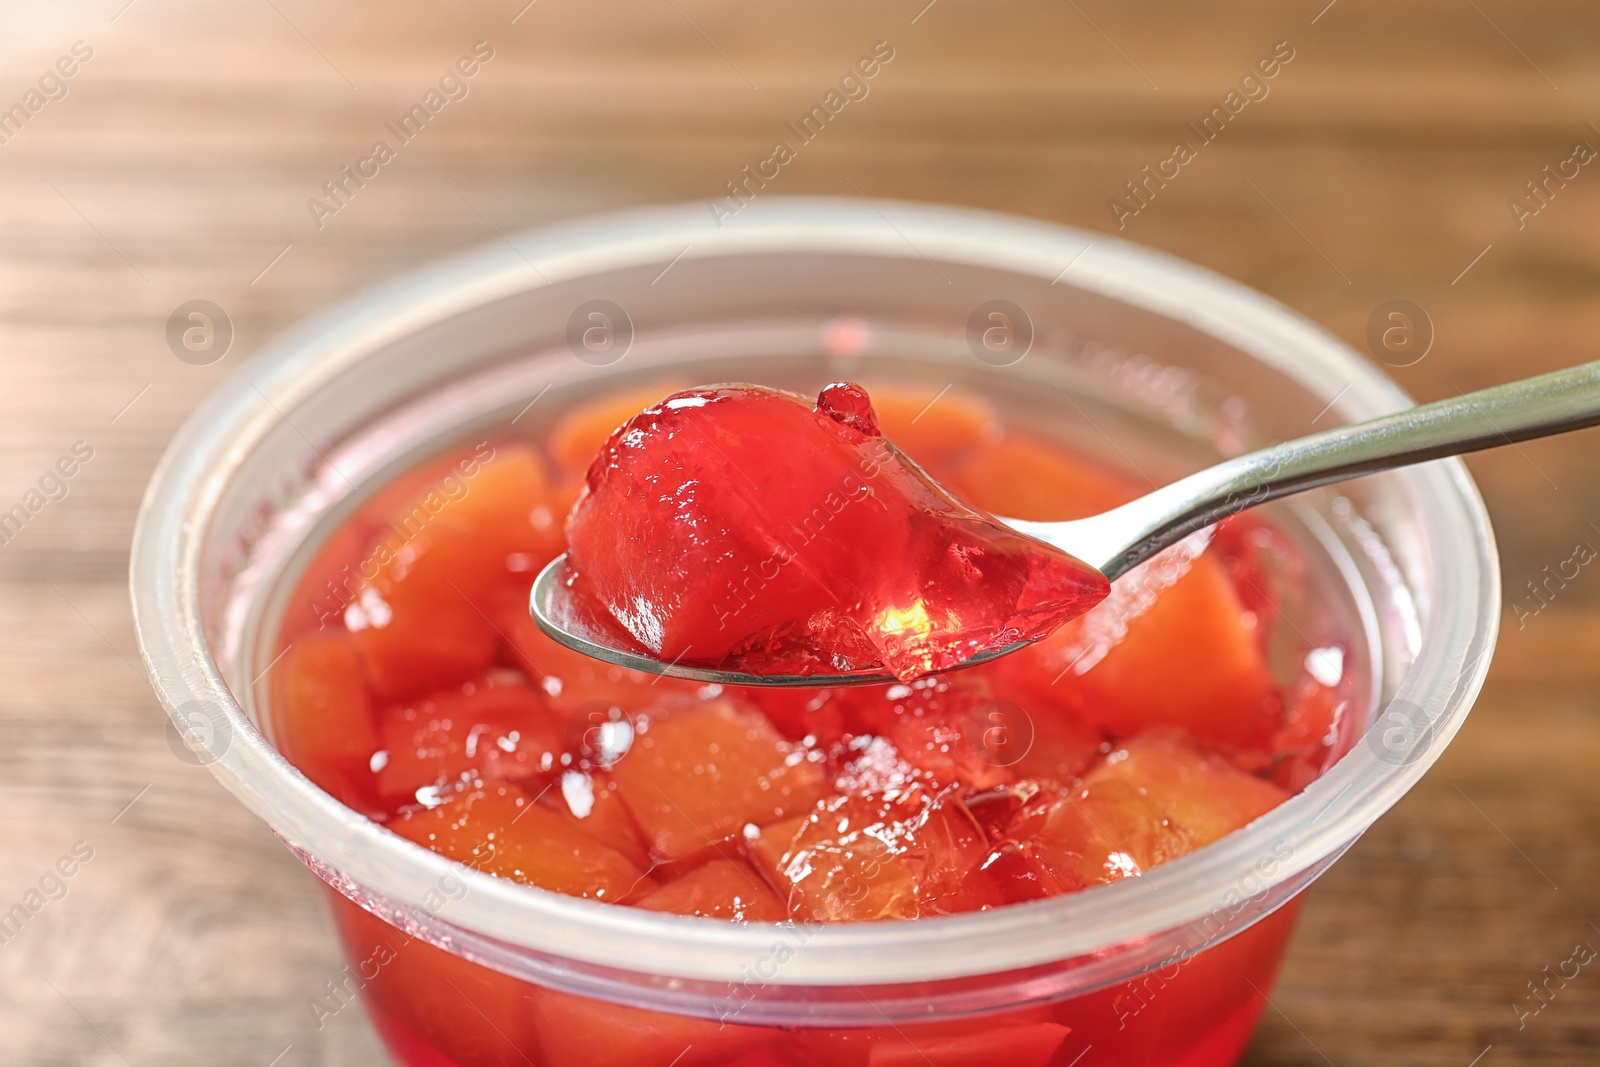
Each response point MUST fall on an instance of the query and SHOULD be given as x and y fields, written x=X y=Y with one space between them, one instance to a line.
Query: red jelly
x=415 y=687
x=799 y=540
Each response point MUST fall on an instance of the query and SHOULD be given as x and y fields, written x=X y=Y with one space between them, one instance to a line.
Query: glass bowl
x=1132 y=356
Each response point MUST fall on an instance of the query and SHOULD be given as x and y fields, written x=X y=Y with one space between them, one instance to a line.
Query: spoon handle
x=1505 y=414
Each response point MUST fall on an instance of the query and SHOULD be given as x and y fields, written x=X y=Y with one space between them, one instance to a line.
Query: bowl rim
x=1458 y=631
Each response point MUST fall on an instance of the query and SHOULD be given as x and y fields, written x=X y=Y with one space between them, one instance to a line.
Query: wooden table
x=178 y=166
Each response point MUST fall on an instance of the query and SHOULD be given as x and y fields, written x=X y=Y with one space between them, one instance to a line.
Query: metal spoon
x=1120 y=539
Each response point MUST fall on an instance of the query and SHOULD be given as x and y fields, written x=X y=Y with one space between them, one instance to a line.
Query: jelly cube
x=494 y=726
x=1311 y=735
x=1045 y=743
x=722 y=889
x=572 y=680
x=994 y=809
x=892 y=855
x=422 y=617
x=798 y=713
x=592 y=800
x=1202 y=793
x=498 y=829
x=1014 y=874
x=1090 y=836
x=409 y=647
x=942 y=726
x=1153 y=800
x=962 y=728
x=1261 y=562
x=327 y=720
x=695 y=777
x=1192 y=659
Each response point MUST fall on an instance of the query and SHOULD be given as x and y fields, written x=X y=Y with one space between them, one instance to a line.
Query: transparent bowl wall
x=1137 y=358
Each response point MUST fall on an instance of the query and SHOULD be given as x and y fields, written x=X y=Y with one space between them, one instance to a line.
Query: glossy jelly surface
x=749 y=529
x=415 y=688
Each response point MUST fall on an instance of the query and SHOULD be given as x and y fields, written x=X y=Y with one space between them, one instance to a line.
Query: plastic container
x=1143 y=360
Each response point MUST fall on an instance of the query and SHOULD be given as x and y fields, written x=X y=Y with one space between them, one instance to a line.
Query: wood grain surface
x=178 y=164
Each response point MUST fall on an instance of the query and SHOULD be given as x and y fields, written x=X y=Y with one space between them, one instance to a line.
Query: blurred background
x=1432 y=152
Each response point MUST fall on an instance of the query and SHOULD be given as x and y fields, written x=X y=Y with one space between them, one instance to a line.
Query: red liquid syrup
x=416 y=689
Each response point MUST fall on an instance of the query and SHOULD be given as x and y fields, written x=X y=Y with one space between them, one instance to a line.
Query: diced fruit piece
x=326 y=718
x=1089 y=836
x=441 y=476
x=1191 y=659
x=959 y=729
x=868 y=765
x=1013 y=1046
x=930 y=426
x=494 y=726
x=572 y=680
x=892 y=855
x=328 y=583
x=1012 y=874
x=1310 y=737
x=390 y=516
x=581 y=431
x=1202 y=793
x=592 y=800
x=995 y=808
x=423 y=619
x=1153 y=800
x=722 y=889
x=506 y=512
x=409 y=645
x=842 y=556
x=1062 y=745
x=945 y=727
x=697 y=776
x=1027 y=478
x=583 y=1032
x=498 y=829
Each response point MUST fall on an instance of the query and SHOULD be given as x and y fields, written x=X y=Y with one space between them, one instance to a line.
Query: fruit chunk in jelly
x=722 y=889
x=961 y=729
x=591 y=799
x=1156 y=798
x=743 y=527
x=324 y=710
x=693 y=778
x=1192 y=659
x=495 y=726
x=571 y=680
x=423 y=618
x=498 y=829
x=896 y=854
